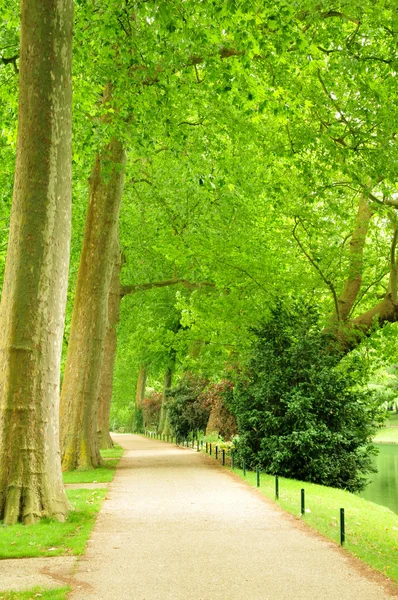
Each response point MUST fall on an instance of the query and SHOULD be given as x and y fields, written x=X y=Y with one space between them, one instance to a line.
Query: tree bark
x=353 y=282
x=106 y=385
x=164 y=423
x=80 y=390
x=33 y=302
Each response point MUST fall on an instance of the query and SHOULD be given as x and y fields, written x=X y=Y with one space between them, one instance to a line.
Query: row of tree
x=253 y=147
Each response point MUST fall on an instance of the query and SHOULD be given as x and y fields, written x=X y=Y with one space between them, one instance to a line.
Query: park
x=199 y=299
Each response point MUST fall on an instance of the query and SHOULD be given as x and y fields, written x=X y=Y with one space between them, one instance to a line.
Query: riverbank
x=389 y=433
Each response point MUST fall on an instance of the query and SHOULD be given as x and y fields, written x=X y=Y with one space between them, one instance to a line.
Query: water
x=383 y=488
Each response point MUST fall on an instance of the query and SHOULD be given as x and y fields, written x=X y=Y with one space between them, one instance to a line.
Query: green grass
x=51 y=538
x=371 y=530
x=57 y=594
x=389 y=433
x=103 y=474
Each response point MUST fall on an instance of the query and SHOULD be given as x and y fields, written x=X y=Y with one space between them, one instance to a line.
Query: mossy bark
x=106 y=385
x=81 y=386
x=164 y=421
x=33 y=301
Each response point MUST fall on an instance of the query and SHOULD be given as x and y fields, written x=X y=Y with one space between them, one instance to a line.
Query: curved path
x=176 y=526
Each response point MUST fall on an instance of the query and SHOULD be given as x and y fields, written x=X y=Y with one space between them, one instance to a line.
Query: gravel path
x=178 y=527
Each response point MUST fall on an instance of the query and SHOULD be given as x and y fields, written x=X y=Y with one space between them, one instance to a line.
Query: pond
x=383 y=488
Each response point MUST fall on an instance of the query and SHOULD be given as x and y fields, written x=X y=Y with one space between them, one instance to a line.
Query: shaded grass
x=103 y=474
x=57 y=594
x=51 y=538
x=371 y=529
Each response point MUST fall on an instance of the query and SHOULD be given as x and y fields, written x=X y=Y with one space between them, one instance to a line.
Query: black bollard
x=302 y=502
x=258 y=476
x=276 y=487
x=342 y=527
x=223 y=458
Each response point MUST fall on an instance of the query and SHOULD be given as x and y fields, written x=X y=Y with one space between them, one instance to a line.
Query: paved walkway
x=178 y=527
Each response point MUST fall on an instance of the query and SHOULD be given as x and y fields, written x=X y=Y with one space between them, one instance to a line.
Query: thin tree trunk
x=32 y=308
x=105 y=395
x=141 y=385
x=80 y=390
x=164 y=423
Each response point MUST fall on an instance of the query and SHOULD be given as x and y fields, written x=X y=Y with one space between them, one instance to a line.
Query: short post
x=197 y=445
x=232 y=459
x=223 y=458
x=258 y=476
x=342 y=527
x=210 y=449
x=244 y=467
x=207 y=447
x=277 y=487
x=201 y=445
x=216 y=452
x=302 y=501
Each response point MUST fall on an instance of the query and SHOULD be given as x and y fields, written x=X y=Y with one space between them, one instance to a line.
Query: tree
x=34 y=292
x=301 y=412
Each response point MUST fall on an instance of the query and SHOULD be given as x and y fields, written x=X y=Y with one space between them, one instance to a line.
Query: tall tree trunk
x=164 y=423
x=80 y=390
x=32 y=308
x=105 y=395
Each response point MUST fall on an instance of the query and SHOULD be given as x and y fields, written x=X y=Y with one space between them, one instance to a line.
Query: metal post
x=276 y=487
x=244 y=467
x=207 y=447
x=342 y=527
x=210 y=449
x=302 y=501
x=201 y=445
x=223 y=458
x=258 y=476
x=232 y=459
x=216 y=452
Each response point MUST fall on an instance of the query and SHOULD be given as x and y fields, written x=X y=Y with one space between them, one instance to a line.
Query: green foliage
x=51 y=538
x=188 y=411
x=301 y=412
x=151 y=406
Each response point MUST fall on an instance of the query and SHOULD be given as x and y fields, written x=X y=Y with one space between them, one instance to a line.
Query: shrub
x=221 y=420
x=151 y=406
x=300 y=412
x=188 y=411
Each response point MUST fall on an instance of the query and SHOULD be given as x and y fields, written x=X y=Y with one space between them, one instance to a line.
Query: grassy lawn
x=51 y=538
x=371 y=530
x=103 y=474
x=389 y=433
x=57 y=594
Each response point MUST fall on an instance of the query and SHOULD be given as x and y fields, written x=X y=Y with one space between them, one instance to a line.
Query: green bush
x=301 y=410
x=188 y=410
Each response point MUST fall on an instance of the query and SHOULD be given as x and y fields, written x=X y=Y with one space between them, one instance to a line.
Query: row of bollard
x=209 y=450
x=258 y=482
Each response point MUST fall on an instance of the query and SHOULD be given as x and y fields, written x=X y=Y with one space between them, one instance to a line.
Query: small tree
x=188 y=410
x=301 y=412
x=151 y=406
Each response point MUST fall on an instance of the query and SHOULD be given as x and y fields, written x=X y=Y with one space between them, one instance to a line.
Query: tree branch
x=357 y=243
x=12 y=60
x=316 y=267
x=133 y=289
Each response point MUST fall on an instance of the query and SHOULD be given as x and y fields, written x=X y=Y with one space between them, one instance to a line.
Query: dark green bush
x=188 y=411
x=301 y=410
